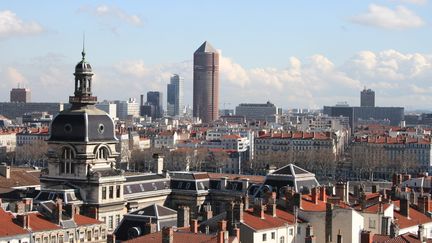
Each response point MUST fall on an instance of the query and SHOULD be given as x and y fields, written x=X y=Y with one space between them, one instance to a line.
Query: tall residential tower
x=206 y=83
x=175 y=96
x=367 y=97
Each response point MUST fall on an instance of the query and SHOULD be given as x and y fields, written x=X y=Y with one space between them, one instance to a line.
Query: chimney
x=423 y=203
x=366 y=237
x=315 y=195
x=310 y=238
x=259 y=208
x=271 y=207
x=246 y=202
x=5 y=170
x=183 y=216
x=342 y=191
x=150 y=227
x=28 y=204
x=245 y=184
x=420 y=233
x=375 y=188
x=339 y=237
x=223 y=182
x=167 y=235
x=323 y=194
x=356 y=191
x=71 y=210
x=208 y=213
x=194 y=226
x=298 y=200
x=237 y=233
x=58 y=211
x=222 y=235
x=404 y=207
x=24 y=220
x=238 y=211
x=329 y=222
x=20 y=207
x=406 y=177
x=159 y=163
x=289 y=198
x=397 y=179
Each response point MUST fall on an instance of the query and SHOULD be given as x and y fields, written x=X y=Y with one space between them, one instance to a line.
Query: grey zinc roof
x=206 y=47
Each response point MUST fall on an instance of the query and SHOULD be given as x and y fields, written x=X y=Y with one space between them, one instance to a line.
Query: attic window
x=101 y=128
x=67 y=128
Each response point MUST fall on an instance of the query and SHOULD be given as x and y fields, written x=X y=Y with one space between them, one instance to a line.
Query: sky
x=296 y=54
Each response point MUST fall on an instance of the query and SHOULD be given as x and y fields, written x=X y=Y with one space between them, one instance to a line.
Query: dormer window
x=102 y=153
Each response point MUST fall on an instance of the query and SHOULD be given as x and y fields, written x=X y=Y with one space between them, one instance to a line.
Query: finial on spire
x=83 y=50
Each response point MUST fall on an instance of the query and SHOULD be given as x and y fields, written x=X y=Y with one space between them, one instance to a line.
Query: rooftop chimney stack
x=366 y=237
x=58 y=210
x=183 y=216
x=24 y=220
x=167 y=235
x=323 y=194
x=5 y=170
x=259 y=208
x=405 y=207
x=315 y=195
x=159 y=163
x=420 y=233
x=194 y=226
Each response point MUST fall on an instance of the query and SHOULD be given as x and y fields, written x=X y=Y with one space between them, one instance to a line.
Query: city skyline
x=326 y=55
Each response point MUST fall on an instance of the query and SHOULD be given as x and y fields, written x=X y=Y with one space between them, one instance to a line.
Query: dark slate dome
x=83 y=65
x=87 y=124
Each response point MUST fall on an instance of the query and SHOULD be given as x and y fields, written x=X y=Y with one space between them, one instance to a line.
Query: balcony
x=83 y=99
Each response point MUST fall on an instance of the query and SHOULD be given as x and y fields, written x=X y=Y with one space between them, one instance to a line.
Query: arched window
x=282 y=239
x=66 y=161
x=102 y=153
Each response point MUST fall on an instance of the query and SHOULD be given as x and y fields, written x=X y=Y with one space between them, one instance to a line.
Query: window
x=102 y=153
x=372 y=223
x=103 y=234
x=117 y=219
x=273 y=235
x=96 y=234
x=103 y=193
x=71 y=238
x=66 y=165
x=118 y=191
x=89 y=238
x=111 y=192
x=110 y=222
x=291 y=231
x=61 y=239
x=282 y=239
x=45 y=239
x=264 y=237
x=53 y=238
x=298 y=230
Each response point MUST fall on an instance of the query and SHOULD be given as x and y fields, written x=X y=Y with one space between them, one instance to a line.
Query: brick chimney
x=28 y=204
x=20 y=207
x=208 y=213
x=405 y=207
x=424 y=203
x=150 y=227
x=238 y=211
x=323 y=194
x=259 y=208
x=298 y=200
x=58 y=211
x=237 y=233
x=366 y=237
x=342 y=191
x=23 y=220
x=194 y=226
x=167 y=235
x=315 y=194
x=183 y=216
x=289 y=198
x=222 y=235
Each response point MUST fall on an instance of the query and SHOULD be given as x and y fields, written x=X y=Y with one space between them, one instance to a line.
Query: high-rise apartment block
x=20 y=95
x=367 y=97
x=206 y=83
x=154 y=105
x=175 y=96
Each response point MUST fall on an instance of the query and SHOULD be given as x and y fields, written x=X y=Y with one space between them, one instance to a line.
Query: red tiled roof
x=404 y=238
x=268 y=222
x=20 y=177
x=416 y=217
x=178 y=237
x=40 y=223
x=84 y=220
x=230 y=136
x=8 y=226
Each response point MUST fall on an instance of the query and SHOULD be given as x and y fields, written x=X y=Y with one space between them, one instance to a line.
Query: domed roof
x=87 y=124
x=83 y=65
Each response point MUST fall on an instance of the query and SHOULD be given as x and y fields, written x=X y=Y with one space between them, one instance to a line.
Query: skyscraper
x=20 y=95
x=155 y=99
x=175 y=96
x=206 y=83
x=367 y=97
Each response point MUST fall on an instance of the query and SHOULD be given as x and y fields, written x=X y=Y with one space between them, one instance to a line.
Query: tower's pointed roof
x=206 y=47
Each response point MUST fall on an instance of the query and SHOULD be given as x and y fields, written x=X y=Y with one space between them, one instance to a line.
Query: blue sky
x=294 y=53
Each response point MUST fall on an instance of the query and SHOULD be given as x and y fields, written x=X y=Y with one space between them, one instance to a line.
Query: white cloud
x=112 y=12
x=387 y=18
x=11 y=25
x=15 y=77
x=417 y=2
